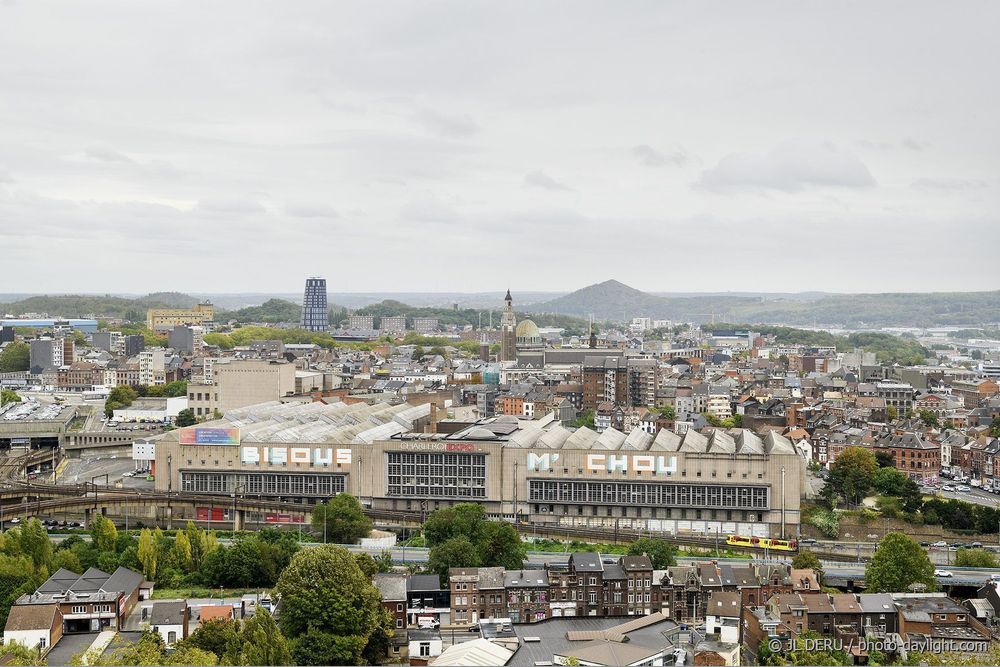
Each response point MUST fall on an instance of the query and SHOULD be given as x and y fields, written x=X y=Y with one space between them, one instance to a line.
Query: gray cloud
x=106 y=155
x=539 y=179
x=789 y=167
x=445 y=125
x=949 y=184
x=650 y=157
x=428 y=208
x=269 y=127
x=230 y=206
x=310 y=210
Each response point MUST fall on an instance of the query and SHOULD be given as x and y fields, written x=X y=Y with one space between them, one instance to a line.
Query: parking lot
x=85 y=470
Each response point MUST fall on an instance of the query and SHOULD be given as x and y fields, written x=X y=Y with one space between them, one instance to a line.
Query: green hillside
x=613 y=300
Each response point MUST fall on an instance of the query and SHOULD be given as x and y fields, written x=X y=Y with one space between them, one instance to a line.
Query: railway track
x=47 y=498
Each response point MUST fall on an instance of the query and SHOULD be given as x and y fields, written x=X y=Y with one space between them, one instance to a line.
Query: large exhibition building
x=400 y=457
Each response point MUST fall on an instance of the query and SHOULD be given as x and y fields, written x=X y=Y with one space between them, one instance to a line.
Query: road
x=977 y=496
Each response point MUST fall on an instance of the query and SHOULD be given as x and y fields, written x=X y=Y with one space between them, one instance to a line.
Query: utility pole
x=782 y=502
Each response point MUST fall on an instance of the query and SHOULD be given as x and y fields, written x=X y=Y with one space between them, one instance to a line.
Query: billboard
x=209 y=436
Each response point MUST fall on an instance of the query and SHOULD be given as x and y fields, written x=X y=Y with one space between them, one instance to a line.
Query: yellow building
x=167 y=318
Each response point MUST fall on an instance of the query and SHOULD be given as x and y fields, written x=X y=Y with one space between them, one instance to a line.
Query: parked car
x=964 y=489
x=943 y=573
x=925 y=544
x=976 y=545
x=940 y=543
x=947 y=487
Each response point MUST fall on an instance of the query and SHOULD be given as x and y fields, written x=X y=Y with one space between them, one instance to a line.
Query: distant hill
x=76 y=305
x=616 y=301
x=271 y=311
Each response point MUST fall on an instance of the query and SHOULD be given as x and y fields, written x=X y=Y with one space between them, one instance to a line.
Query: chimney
x=433 y=426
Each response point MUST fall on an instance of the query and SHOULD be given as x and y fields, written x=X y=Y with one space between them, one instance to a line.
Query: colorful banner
x=209 y=436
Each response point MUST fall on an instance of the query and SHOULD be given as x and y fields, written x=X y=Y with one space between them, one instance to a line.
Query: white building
x=722 y=616
x=152 y=364
x=152 y=409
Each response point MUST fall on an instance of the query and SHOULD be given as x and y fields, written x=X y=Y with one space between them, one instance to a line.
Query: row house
x=477 y=593
x=79 y=376
x=912 y=454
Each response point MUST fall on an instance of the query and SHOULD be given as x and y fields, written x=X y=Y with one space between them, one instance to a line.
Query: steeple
x=508 y=324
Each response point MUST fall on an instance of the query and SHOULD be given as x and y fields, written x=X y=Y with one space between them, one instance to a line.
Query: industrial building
x=725 y=482
x=164 y=319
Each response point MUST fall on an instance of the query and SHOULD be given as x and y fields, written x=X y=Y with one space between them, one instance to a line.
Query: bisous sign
x=315 y=456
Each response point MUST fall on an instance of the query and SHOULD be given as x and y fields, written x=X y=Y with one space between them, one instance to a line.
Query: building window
x=650 y=494
x=436 y=474
x=79 y=609
x=322 y=485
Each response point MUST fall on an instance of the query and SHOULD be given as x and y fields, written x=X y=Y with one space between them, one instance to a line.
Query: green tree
x=217 y=636
x=147 y=554
x=586 y=419
x=499 y=545
x=456 y=552
x=8 y=396
x=326 y=597
x=17 y=577
x=317 y=647
x=851 y=475
x=383 y=562
x=660 y=552
x=807 y=560
x=463 y=519
x=185 y=418
x=15 y=357
x=17 y=654
x=175 y=389
x=120 y=397
x=975 y=558
x=898 y=564
x=928 y=418
x=367 y=564
x=196 y=538
x=182 y=552
x=262 y=642
x=104 y=534
x=892 y=413
x=35 y=542
x=995 y=427
x=668 y=412
x=344 y=519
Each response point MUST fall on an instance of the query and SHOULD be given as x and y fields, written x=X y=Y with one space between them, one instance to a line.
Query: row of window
x=437 y=474
x=648 y=493
x=281 y=484
x=98 y=609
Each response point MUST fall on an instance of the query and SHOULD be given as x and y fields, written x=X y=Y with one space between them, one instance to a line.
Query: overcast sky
x=463 y=146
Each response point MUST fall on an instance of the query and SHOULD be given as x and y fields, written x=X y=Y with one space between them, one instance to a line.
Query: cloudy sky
x=463 y=146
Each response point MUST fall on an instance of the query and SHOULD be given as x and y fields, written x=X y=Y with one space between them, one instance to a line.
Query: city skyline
x=820 y=145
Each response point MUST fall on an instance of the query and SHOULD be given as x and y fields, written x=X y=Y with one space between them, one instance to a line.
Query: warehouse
x=397 y=457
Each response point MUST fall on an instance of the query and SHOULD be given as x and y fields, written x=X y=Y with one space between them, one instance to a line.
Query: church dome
x=528 y=330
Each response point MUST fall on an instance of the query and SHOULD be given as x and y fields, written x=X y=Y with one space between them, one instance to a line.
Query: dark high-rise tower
x=314 y=311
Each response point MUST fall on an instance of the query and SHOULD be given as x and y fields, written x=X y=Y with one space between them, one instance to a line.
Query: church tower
x=508 y=331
